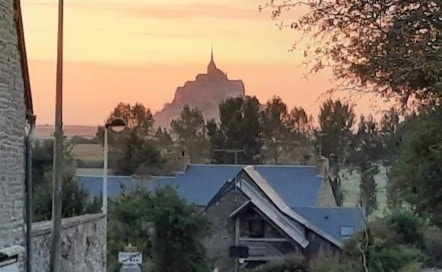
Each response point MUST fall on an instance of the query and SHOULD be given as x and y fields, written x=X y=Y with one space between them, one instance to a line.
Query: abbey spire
x=211 y=68
x=211 y=54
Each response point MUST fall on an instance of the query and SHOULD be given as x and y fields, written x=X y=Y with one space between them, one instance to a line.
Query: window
x=256 y=228
x=346 y=231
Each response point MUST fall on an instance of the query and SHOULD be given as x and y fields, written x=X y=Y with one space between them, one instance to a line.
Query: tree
x=275 y=131
x=178 y=234
x=390 y=135
x=166 y=229
x=336 y=120
x=191 y=132
x=335 y=138
x=239 y=131
x=367 y=151
x=299 y=120
x=74 y=197
x=393 y=47
x=140 y=156
x=164 y=141
x=301 y=126
x=133 y=150
x=417 y=175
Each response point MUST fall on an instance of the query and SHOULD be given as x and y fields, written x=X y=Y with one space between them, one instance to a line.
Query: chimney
x=184 y=161
x=322 y=166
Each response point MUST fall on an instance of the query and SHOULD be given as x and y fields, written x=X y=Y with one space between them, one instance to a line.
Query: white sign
x=130 y=257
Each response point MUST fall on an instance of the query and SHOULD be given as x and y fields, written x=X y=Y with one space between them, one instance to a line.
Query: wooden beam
x=237 y=228
x=247 y=239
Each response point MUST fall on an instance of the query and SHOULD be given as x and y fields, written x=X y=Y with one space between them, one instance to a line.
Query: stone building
x=206 y=92
x=15 y=113
x=84 y=237
x=258 y=213
x=251 y=224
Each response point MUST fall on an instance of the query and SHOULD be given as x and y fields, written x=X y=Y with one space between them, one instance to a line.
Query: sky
x=142 y=50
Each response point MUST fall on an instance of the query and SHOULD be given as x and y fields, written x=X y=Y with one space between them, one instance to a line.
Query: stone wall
x=222 y=230
x=83 y=244
x=12 y=133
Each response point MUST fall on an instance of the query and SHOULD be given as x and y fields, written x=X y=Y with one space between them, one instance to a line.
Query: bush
x=408 y=226
x=324 y=263
x=432 y=240
x=292 y=263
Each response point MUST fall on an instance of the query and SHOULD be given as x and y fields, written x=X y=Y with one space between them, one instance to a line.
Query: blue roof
x=115 y=184
x=199 y=183
x=297 y=185
x=334 y=221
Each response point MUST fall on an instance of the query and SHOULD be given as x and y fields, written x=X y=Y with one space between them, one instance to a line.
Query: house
x=16 y=113
x=198 y=183
x=257 y=213
x=252 y=224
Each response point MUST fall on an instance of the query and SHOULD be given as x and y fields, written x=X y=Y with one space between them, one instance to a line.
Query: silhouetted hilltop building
x=206 y=92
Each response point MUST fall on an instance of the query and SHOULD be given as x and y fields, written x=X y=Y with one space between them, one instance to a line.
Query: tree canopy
x=239 y=131
x=393 y=47
x=166 y=229
x=416 y=177
x=191 y=131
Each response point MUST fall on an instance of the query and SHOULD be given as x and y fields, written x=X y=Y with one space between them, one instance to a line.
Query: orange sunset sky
x=140 y=51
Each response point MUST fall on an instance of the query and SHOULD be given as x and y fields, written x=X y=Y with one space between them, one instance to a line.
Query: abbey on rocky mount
x=206 y=92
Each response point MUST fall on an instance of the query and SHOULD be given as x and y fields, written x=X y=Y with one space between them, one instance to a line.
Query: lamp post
x=115 y=124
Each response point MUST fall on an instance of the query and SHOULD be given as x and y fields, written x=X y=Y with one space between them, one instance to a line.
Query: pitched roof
x=115 y=185
x=200 y=182
x=23 y=57
x=295 y=232
x=279 y=203
x=339 y=222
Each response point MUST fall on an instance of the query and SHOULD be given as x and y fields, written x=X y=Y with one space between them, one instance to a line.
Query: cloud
x=171 y=35
x=187 y=11
x=160 y=11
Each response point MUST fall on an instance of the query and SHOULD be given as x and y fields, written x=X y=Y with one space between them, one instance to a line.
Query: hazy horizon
x=143 y=50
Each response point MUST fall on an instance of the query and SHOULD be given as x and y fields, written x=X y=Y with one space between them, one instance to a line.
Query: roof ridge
x=288 y=211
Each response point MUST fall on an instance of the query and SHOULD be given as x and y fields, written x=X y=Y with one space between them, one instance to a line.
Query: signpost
x=130 y=261
x=130 y=257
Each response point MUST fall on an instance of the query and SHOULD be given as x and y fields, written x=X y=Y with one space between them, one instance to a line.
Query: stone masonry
x=12 y=133
x=83 y=244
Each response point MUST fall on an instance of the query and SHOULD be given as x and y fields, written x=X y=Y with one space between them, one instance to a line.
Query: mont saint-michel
x=206 y=92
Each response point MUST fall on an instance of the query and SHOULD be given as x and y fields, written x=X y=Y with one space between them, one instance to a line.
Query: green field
x=350 y=185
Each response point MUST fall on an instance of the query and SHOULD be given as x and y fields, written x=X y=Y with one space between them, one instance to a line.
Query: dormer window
x=256 y=228
x=346 y=231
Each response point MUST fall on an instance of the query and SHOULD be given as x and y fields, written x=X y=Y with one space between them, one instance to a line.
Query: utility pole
x=58 y=152
x=234 y=151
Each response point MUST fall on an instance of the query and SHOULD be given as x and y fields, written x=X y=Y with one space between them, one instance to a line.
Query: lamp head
x=116 y=124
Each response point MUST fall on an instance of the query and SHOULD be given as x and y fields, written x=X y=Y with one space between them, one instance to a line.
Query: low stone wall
x=83 y=244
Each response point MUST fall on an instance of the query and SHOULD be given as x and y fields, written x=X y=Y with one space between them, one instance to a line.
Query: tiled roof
x=294 y=231
x=115 y=185
x=334 y=220
x=282 y=206
x=297 y=185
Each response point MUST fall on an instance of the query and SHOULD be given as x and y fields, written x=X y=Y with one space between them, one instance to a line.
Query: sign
x=130 y=257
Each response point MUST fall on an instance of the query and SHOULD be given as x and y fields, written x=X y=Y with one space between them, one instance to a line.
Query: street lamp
x=117 y=125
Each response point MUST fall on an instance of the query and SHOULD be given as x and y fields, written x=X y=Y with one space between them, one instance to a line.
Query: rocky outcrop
x=206 y=92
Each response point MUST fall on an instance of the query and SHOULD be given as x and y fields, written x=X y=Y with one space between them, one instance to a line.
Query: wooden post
x=55 y=265
x=237 y=230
